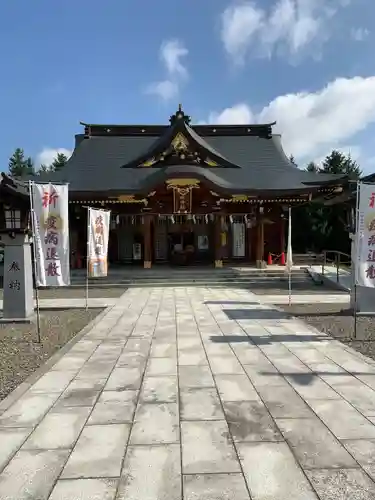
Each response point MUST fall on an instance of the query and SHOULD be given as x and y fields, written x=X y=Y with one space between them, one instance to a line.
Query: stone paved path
x=195 y=393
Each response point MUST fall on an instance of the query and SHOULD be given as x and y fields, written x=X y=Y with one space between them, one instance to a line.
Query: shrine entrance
x=189 y=246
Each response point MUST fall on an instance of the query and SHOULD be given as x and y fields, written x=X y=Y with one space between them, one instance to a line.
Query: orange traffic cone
x=269 y=260
x=282 y=259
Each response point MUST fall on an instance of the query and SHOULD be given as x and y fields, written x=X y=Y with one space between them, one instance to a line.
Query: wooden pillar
x=260 y=239
x=147 y=258
x=218 y=250
x=249 y=234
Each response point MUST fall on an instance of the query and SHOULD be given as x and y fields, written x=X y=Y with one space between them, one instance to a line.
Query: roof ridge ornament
x=180 y=115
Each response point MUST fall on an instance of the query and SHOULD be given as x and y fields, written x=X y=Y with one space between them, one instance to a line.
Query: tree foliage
x=19 y=166
x=318 y=227
x=59 y=162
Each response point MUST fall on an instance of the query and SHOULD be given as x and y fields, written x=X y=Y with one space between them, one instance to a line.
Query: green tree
x=292 y=160
x=339 y=163
x=44 y=168
x=319 y=227
x=312 y=167
x=19 y=166
x=59 y=162
x=328 y=224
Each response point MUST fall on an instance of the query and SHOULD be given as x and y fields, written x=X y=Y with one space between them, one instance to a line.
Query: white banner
x=238 y=239
x=98 y=236
x=289 y=253
x=365 y=236
x=50 y=216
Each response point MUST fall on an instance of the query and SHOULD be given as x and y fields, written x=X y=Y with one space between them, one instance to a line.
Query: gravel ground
x=337 y=321
x=78 y=293
x=20 y=355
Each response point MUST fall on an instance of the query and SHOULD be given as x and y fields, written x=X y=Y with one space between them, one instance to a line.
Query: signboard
x=98 y=235
x=365 y=236
x=238 y=239
x=49 y=204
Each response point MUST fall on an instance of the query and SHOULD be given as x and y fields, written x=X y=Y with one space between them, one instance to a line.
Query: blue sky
x=308 y=64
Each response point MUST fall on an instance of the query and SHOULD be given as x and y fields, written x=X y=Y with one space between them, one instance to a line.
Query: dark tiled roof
x=96 y=163
x=249 y=159
x=14 y=187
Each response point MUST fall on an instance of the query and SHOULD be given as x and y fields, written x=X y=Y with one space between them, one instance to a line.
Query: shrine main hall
x=187 y=194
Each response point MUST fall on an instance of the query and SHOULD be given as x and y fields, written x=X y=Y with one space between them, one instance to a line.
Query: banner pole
x=356 y=258
x=32 y=213
x=88 y=257
x=289 y=256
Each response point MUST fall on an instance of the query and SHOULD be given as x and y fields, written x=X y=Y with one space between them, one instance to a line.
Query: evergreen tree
x=29 y=166
x=319 y=227
x=18 y=165
x=339 y=163
x=312 y=167
x=292 y=160
x=59 y=162
x=44 y=168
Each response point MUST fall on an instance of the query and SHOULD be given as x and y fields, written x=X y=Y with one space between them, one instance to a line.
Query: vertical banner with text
x=289 y=252
x=50 y=214
x=98 y=235
x=365 y=236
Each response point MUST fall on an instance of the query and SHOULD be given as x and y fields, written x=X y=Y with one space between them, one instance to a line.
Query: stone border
x=43 y=369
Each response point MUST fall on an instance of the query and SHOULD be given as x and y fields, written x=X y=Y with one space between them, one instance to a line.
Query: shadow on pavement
x=266 y=340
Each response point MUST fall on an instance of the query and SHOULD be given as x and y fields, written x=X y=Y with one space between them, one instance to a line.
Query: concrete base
x=18 y=321
x=365 y=299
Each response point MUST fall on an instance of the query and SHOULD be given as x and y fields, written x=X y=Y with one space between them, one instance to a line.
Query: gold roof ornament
x=182 y=182
x=180 y=143
x=149 y=162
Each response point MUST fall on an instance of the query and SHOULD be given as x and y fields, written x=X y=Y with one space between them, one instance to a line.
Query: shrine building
x=188 y=194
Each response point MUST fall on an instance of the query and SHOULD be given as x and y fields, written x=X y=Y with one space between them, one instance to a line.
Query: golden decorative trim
x=126 y=197
x=147 y=264
x=211 y=163
x=182 y=182
x=239 y=197
x=148 y=163
x=108 y=202
x=180 y=143
x=218 y=263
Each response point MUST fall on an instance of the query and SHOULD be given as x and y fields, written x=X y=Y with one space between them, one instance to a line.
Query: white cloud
x=166 y=89
x=359 y=34
x=172 y=53
x=290 y=28
x=47 y=155
x=313 y=123
x=239 y=114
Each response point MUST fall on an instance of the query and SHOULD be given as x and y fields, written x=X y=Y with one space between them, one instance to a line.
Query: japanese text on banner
x=51 y=234
x=365 y=273
x=98 y=236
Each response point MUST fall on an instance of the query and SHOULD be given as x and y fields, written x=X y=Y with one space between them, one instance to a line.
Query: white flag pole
x=88 y=256
x=33 y=227
x=289 y=256
x=356 y=270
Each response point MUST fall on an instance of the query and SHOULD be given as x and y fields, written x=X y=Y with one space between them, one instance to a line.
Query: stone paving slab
x=198 y=394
